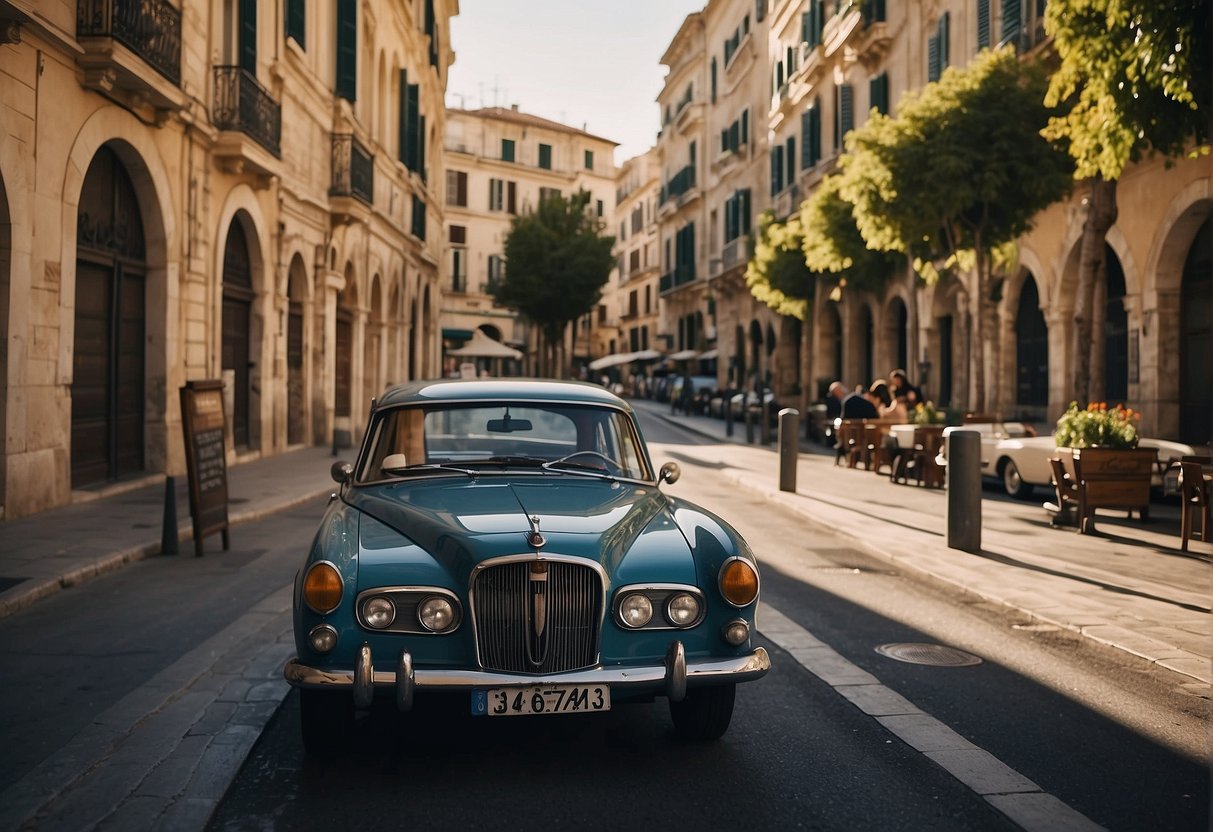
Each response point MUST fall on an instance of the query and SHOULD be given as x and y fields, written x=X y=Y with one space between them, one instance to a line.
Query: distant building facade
x=500 y=163
x=823 y=66
x=192 y=190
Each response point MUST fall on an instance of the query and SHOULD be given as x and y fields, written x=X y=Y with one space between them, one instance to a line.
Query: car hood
x=459 y=523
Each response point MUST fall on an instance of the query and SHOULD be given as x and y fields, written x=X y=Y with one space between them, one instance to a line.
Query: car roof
x=501 y=389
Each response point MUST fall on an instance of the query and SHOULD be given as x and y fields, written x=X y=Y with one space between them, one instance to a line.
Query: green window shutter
x=248 y=36
x=983 y=23
x=848 y=111
x=760 y=10
x=790 y=157
x=418 y=218
x=873 y=11
x=776 y=169
x=507 y=150
x=511 y=197
x=296 y=21
x=943 y=42
x=403 y=152
x=933 y=58
x=347 y=49
x=545 y=156
x=815 y=131
x=878 y=93
x=713 y=70
x=411 y=126
x=744 y=135
x=745 y=212
x=589 y=160
x=806 y=142
x=1011 y=22
x=421 y=148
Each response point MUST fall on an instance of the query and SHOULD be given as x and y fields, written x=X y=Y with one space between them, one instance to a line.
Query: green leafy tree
x=833 y=245
x=558 y=261
x=1136 y=76
x=959 y=171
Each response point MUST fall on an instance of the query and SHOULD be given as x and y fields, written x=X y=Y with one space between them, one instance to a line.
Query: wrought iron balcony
x=353 y=169
x=242 y=104
x=149 y=28
x=682 y=182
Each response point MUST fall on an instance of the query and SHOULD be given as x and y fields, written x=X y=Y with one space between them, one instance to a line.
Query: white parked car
x=1020 y=461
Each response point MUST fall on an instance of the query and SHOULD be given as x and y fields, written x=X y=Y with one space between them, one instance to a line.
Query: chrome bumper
x=671 y=678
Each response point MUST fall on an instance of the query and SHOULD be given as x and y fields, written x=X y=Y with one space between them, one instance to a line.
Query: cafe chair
x=1194 y=499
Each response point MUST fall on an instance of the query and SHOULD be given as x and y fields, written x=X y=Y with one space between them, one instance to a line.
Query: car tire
x=705 y=713
x=325 y=719
x=1014 y=483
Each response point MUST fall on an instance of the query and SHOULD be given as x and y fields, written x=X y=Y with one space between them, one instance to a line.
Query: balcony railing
x=735 y=252
x=149 y=28
x=353 y=169
x=242 y=104
x=682 y=182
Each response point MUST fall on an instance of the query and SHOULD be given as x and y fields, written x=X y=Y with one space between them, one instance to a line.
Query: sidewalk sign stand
x=202 y=424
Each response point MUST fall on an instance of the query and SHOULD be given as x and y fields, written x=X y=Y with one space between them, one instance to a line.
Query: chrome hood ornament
x=535 y=537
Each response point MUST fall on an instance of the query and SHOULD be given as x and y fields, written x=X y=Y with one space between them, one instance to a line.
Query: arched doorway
x=295 y=396
x=237 y=319
x=1031 y=349
x=108 y=355
x=1196 y=341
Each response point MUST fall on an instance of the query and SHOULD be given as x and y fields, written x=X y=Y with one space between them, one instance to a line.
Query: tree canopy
x=777 y=275
x=1136 y=74
x=557 y=263
x=832 y=242
x=960 y=170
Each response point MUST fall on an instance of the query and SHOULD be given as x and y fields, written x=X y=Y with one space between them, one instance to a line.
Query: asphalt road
x=1113 y=739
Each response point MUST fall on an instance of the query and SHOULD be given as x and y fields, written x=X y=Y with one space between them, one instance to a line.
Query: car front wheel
x=1014 y=483
x=325 y=719
x=705 y=713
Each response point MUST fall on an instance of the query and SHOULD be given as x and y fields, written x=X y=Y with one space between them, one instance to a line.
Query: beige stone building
x=226 y=189
x=500 y=163
x=825 y=64
x=636 y=298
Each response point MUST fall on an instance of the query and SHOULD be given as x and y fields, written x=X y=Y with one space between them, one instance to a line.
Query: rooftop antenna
x=496 y=90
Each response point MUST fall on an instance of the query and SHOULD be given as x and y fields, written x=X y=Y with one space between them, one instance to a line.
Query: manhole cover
x=932 y=654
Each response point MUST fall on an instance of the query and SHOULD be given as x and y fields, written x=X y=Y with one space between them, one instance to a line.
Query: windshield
x=500 y=436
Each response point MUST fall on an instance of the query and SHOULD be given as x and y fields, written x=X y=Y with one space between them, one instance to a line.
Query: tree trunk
x=978 y=336
x=1092 y=270
x=807 y=393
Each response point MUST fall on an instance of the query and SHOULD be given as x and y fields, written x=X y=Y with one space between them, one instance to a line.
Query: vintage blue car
x=507 y=541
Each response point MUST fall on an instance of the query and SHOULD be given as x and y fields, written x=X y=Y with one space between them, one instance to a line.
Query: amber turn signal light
x=739 y=582
x=322 y=588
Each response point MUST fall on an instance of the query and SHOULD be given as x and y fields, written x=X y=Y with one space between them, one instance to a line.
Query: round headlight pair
x=434 y=613
x=681 y=610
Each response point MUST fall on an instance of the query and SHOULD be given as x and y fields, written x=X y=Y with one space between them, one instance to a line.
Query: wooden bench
x=1104 y=478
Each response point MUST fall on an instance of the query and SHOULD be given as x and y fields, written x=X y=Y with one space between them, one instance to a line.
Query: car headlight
x=682 y=609
x=739 y=582
x=435 y=613
x=378 y=612
x=635 y=610
x=322 y=588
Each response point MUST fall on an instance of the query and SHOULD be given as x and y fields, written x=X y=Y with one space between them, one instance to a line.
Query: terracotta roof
x=517 y=117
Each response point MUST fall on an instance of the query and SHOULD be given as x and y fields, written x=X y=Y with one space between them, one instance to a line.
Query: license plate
x=544 y=699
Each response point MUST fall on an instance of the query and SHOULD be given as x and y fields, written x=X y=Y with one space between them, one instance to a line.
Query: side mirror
x=341 y=472
x=670 y=472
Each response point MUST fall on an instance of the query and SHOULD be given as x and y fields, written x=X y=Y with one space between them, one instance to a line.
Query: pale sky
x=591 y=63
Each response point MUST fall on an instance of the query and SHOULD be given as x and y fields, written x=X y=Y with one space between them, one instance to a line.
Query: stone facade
x=810 y=70
x=210 y=190
x=500 y=162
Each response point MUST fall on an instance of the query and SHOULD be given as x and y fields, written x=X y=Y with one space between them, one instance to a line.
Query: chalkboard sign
x=202 y=423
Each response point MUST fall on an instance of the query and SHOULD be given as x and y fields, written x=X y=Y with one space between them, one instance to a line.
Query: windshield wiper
x=517 y=460
x=432 y=466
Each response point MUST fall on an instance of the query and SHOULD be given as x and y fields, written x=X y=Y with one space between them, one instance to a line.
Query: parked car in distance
x=508 y=542
x=1020 y=461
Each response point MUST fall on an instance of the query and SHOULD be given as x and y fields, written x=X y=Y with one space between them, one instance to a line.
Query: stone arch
x=347 y=319
x=140 y=156
x=893 y=342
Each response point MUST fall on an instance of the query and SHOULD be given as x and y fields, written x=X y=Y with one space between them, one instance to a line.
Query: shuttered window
x=810 y=136
x=507 y=150
x=790 y=159
x=844 y=114
x=545 y=156
x=457 y=188
x=418 y=218
x=347 y=49
x=811 y=23
x=937 y=50
x=983 y=24
x=248 y=36
x=1011 y=22
x=878 y=93
x=776 y=169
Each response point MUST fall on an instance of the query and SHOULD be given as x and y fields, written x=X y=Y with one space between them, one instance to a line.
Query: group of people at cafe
x=889 y=400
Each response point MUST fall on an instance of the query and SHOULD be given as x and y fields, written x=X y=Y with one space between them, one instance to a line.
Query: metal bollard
x=789 y=448
x=764 y=427
x=168 y=533
x=728 y=412
x=749 y=425
x=963 y=513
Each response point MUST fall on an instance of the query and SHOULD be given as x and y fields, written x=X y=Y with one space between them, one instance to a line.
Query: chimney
x=514 y=107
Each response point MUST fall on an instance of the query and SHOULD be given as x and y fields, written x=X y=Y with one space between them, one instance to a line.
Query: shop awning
x=482 y=346
x=682 y=355
x=613 y=360
x=707 y=356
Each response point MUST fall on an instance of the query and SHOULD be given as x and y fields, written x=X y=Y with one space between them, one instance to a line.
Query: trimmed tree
x=960 y=171
x=1137 y=79
x=558 y=261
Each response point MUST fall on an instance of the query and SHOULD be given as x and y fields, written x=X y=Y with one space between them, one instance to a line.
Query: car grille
x=537 y=616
